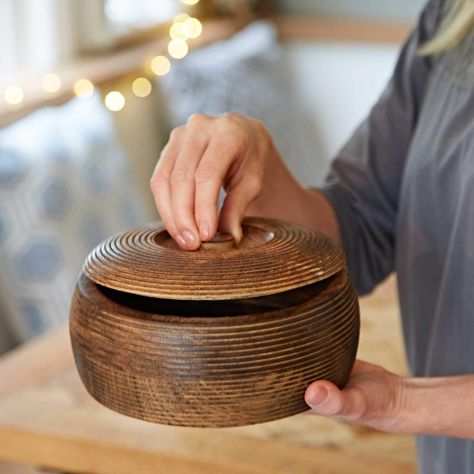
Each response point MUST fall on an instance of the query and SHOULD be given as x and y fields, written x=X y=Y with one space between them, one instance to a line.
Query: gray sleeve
x=364 y=180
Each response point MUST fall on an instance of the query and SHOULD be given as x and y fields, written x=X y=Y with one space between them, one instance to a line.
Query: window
x=130 y=14
x=37 y=35
x=34 y=35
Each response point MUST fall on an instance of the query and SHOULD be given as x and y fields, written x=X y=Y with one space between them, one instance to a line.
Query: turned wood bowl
x=224 y=336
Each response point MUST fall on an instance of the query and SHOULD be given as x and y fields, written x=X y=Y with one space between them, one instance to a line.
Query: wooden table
x=47 y=419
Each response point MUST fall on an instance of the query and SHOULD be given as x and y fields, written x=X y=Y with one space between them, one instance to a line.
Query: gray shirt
x=403 y=192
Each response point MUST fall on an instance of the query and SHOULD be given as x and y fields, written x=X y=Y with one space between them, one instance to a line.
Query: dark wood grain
x=272 y=257
x=217 y=362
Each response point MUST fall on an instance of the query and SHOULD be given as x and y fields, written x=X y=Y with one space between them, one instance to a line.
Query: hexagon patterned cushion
x=65 y=185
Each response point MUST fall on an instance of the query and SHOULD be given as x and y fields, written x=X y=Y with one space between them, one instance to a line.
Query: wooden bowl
x=224 y=336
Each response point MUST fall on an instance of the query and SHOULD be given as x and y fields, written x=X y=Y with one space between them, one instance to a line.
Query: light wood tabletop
x=47 y=419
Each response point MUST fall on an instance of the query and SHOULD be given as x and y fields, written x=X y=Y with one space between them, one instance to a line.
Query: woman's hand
x=373 y=397
x=209 y=152
x=238 y=153
x=382 y=400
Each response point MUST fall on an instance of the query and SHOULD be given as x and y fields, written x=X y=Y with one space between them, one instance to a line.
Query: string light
x=183 y=27
x=51 y=83
x=160 y=65
x=141 y=87
x=83 y=88
x=190 y=2
x=177 y=30
x=192 y=27
x=180 y=18
x=13 y=95
x=178 y=48
x=114 y=101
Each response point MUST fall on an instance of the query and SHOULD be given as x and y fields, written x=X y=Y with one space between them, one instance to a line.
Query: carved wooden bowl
x=223 y=336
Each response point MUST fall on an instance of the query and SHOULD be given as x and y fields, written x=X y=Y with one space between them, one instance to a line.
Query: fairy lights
x=83 y=88
x=180 y=18
x=192 y=27
x=114 y=101
x=13 y=95
x=183 y=28
x=160 y=65
x=177 y=31
x=51 y=83
x=178 y=48
x=141 y=87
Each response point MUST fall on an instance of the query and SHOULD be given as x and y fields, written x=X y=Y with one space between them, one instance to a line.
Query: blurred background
x=90 y=89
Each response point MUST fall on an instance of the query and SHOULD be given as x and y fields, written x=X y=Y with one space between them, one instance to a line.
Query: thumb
x=326 y=399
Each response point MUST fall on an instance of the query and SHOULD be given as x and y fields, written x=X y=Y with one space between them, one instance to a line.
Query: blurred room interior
x=89 y=92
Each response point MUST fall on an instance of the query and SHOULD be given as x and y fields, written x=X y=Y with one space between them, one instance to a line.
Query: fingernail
x=180 y=240
x=189 y=237
x=318 y=395
x=204 y=231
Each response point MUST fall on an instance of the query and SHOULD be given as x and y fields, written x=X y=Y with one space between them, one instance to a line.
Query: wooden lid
x=272 y=257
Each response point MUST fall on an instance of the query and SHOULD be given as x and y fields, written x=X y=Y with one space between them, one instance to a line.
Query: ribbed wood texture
x=273 y=257
x=213 y=371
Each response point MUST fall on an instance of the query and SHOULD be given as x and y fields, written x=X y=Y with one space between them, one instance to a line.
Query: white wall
x=398 y=10
x=338 y=83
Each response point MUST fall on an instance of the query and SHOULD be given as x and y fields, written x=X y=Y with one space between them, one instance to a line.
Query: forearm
x=282 y=197
x=438 y=406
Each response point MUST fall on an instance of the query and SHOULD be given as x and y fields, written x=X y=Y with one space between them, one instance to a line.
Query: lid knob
x=222 y=242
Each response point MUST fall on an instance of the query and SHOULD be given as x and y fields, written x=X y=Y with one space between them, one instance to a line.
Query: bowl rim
x=338 y=289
